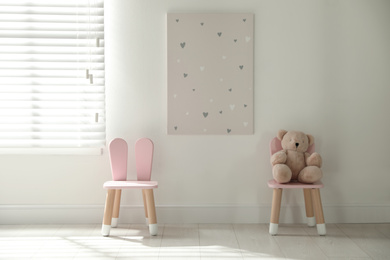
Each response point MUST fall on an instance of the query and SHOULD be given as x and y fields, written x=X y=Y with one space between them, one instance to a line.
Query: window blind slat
x=61 y=10
x=22 y=41
x=52 y=97
x=100 y=127
x=52 y=92
x=48 y=81
x=51 y=50
x=53 y=3
x=52 y=104
x=50 y=57
x=49 y=73
x=39 y=143
x=55 y=135
x=69 y=19
x=51 y=89
x=47 y=65
x=51 y=112
x=38 y=26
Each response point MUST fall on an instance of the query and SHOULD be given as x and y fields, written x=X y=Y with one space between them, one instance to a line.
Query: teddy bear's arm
x=313 y=159
x=279 y=157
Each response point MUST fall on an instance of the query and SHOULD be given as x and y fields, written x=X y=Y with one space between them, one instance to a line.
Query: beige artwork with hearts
x=210 y=74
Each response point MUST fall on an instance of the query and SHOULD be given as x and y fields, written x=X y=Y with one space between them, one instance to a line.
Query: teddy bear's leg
x=310 y=174
x=281 y=173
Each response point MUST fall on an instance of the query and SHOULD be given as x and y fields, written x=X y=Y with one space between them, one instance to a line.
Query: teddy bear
x=293 y=163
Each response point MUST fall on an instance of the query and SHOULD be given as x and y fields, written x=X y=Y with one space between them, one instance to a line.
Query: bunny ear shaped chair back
x=143 y=159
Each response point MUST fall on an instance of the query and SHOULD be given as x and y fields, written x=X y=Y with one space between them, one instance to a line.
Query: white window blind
x=52 y=94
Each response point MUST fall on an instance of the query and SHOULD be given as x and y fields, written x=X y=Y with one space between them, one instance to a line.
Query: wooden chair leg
x=106 y=226
x=145 y=207
x=151 y=208
x=315 y=193
x=275 y=211
x=311 y=221
x=115 y=212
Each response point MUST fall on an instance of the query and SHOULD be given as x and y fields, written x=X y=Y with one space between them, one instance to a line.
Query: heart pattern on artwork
x=209 y=92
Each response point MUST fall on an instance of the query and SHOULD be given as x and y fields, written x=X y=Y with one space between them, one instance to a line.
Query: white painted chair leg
x=311 y=222
x=114 y=222
x=321 y=228
x=153 y=229
x=147 y=221
x=273 y=228
x=106 y=230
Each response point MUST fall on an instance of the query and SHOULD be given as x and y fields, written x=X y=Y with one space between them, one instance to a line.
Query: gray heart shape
x=182 y=44
x=205 y=114
x=241 y=66
x=229 y=130
x=219 y=34
x=185 y=75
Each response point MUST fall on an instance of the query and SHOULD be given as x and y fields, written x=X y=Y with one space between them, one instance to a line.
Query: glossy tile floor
x=195 y=241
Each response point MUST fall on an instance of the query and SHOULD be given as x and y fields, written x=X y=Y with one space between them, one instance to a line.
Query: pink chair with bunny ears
x=311 y=194
x=118 y=157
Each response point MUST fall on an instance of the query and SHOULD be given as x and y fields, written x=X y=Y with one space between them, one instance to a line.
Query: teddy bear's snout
x=296 y=145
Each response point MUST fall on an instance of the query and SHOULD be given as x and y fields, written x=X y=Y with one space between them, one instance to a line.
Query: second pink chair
x=311 y=192
x=118 y=152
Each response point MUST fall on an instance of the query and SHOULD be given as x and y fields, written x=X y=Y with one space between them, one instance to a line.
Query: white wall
x=320 y=66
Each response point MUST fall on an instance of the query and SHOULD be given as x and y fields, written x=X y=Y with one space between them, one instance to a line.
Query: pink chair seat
x=294 y=185
x=114 y=185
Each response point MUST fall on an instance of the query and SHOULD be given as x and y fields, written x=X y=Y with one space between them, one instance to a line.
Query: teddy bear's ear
x=281 y=133
x=311 y=139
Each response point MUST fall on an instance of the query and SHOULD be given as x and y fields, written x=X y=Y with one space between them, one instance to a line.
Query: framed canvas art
x=210 y=74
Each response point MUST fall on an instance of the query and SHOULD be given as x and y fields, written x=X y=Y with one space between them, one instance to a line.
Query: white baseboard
x=82 y=214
